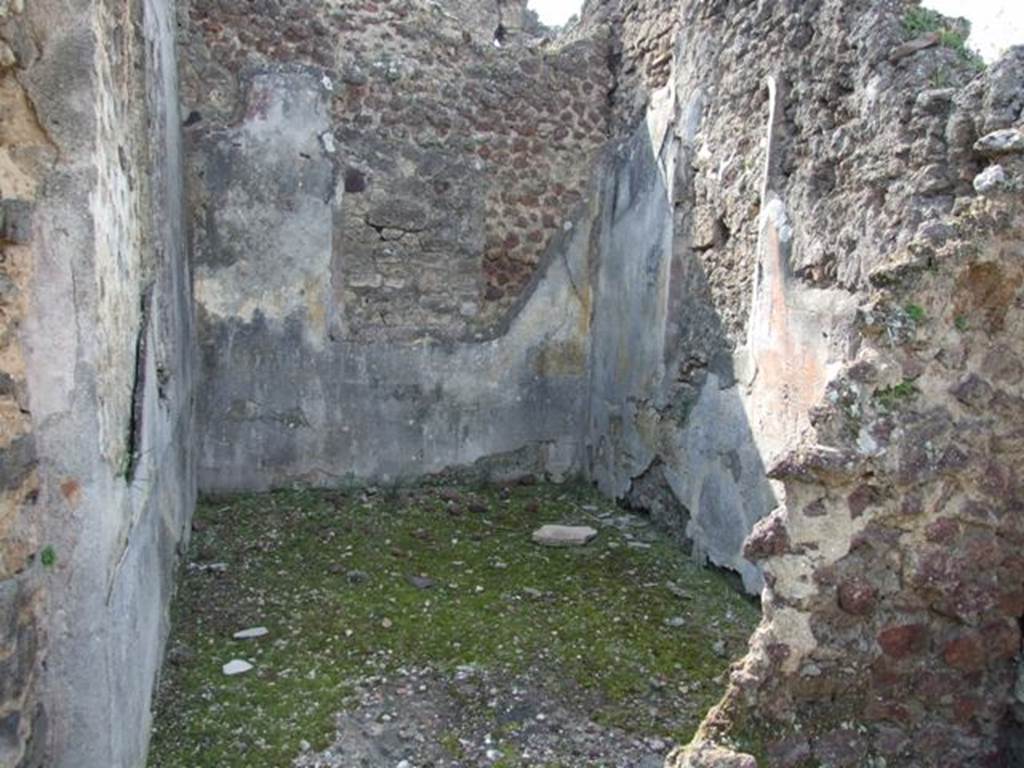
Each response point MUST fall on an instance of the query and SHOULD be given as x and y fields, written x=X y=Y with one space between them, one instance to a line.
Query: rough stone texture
x=482 y=19
x=727 y=259
x=26 y=152
x=990 y=180
x=891 y=626
x=642 y=37
x=1002 y=142
x=455 y=165
x=95 y=375
x=320 y=404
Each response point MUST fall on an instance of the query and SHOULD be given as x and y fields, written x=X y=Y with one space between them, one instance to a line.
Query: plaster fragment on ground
x=236 y=667
x=251 y=634
x=564 y=535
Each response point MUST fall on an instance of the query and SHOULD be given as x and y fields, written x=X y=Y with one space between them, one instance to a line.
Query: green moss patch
x=356 y=585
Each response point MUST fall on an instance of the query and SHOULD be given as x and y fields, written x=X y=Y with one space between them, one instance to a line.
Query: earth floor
x=424 y=627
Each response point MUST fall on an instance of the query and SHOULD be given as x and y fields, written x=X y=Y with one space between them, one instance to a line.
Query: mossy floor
x=627 y=627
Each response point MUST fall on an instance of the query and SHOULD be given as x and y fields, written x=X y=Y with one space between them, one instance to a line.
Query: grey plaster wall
x=625 y=360
x=631 y=286
x=615 y=362
x=289 y=397
x=663 y=388
x=110 y=350
x=671 y=393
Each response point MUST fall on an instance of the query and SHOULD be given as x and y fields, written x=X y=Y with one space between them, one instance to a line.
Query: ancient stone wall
x=379 y=189
x=891 y=627
x=97 y=360
x=642 y=37
x=288 y=397
x=25 y=153
x=459 y=161
x=509 y=22
x=736 y=262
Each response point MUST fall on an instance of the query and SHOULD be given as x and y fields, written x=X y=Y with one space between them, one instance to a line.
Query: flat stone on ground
x=251 y=634
x=420 y=582
x=236 y=667
x=564 y=535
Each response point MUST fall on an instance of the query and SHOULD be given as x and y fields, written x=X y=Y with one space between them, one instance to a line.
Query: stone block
x=1002 y=142
x=15 y=221
x=900 y=641
x=965 y=652
x=564 y=535
x=16 y=461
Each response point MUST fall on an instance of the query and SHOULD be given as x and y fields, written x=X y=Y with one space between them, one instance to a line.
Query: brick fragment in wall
x=914 y=628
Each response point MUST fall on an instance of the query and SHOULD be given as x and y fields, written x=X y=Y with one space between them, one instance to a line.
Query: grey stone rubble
x=1002 y=142
x=991 y=179
x=421 y=582
x=398 y=721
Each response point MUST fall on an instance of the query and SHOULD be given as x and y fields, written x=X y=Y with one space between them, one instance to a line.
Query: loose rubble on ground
x=450 y=627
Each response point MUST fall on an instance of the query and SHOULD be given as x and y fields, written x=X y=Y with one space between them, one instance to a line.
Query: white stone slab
x=251 y=634
x=564 y=535
x=236 y=667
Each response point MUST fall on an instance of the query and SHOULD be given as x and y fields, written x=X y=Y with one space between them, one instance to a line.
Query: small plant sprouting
x=891 y=397
x=921 y=21
x=915 y=313
x=961 y=323
x=48 y=557
x=957 y=41
x=940 y=78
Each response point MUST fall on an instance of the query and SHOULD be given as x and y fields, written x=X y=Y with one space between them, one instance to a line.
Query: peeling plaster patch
x=269 y=234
